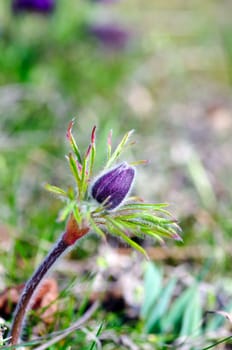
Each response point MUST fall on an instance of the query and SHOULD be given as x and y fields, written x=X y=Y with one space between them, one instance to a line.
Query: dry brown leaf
x=8 y=300
x=45 y=297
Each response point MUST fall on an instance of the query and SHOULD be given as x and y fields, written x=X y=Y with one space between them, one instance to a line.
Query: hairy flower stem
x=30 y=289
x=73 y=232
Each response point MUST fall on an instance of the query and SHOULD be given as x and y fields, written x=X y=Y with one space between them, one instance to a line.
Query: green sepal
x=84 y=180
x=66 y=211
x=56 y=190
x=119 y=230
x=73 y=142
x=119 y=149
x=74 y=169
x=77 y=215
x=96 y=228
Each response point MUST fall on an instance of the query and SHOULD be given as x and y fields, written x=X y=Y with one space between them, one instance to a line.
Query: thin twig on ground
x=72 y=328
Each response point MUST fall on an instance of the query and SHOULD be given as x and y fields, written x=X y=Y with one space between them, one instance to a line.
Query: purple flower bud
x=110 y=35
x=39 y=6
x=112 y=187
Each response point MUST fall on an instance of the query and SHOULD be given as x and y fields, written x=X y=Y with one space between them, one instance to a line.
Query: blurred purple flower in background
x=39 y=6
x=110 y=35
x=111 y=188
x=105 y=1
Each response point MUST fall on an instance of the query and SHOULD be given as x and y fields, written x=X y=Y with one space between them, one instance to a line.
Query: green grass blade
x=191 y=324
x=175 y=314
x=219 y=342
x=152 y=288
x=161 y=306
x=92 y=346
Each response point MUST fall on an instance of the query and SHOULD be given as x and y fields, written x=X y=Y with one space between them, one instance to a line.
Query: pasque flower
x=39 y=6
x=110 y=35
x=101 y=205
x=112 y=187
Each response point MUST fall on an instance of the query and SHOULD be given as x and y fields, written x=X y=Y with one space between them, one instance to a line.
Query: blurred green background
x=166 y=73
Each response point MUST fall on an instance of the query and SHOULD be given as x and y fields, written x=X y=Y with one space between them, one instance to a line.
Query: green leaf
x=152 y=288
x=92 y=159
x=118 y=229
x=64 y=213
x=154 y=235
x=96 y=228
x=119 y=149
x=84 y=180
x=77 y=215
x=143 y=206
x=142 y=226
x=74 y=170
x=146 y=217
x=168 y=232
x=191 y=323
x=153 y=219
x=161 y=305
x=55 y=190
x=109 y=144
x=174 y=316
x=73 y=142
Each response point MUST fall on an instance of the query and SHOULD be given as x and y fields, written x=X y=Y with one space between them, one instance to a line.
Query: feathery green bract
x=115 y=227
x=73 y=142
x=119 y=149
x=84 y=180
x=55 y=190
x=66 y=211
x=109 y=145
x=74 y=170
x=92 y=158
x=133 y=218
